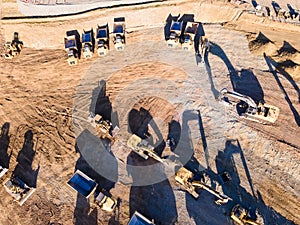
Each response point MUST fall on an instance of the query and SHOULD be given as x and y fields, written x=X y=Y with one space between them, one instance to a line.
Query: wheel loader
x=142 y=148
x=13 y=48
x=71 y=47
x=102 y=38
x=189 y=183
x=175 y=34
x=240 y=216
x=189 y=35
x=88 y=43
x=119 y=33
x=104 y=127
x=248 y=109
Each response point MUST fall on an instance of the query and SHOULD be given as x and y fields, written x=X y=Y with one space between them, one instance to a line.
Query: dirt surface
x=164 y=92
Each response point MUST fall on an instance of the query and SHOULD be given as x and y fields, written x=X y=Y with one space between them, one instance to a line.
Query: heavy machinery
x=104 y=127
x=189 y=35
x=119 y=33
x=187 y=182
x=88 y=43
x=204 y=46
x=13 y=48
x=240 y=216
x=248 y=109
x=105 y=202
x=102 y=38
x=142 y=148
x=71 y=47
x=175 y=33
x=18 y=189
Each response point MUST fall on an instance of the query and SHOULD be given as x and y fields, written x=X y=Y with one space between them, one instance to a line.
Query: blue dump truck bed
x=82 y=183
x=69 y=43
x=118 y=29
x=139 y=219
x=86 y=37
x=176 y=26
x=101 y=34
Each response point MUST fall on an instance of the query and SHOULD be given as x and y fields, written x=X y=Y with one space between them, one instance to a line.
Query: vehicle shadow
x=225 y=162
x=138 y=124
x=25 y=158
x=4 y=144
x=208 y=70
x=244 y=81
x=101 y=103
x=270 y=64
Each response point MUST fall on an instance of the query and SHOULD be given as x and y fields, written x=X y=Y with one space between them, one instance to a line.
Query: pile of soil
x=261 y=44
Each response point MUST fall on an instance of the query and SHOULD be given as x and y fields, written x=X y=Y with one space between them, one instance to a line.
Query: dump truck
x=102 y=38
x=187 y=182
x=18 y=189
x=88 y=43
x=119 y=33
x=13 y=48
x=142 y=148
x=189 y=34
x=105 y=202
x=175 y=34
x=104 y=127
x=240 y=216
x=71 y=47
x=247 y=108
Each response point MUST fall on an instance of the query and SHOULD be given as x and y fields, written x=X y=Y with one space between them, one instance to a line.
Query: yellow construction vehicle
x=71 y=47
x=104 y=127
x=102 y=38
x=240 y=216
x=247 y=107
x=204 y=46
x=88 y=43
x=119 y=33
x=142 y=148
x=175 y=34
x=13 y=48
x=187 y=182
x=189 y=35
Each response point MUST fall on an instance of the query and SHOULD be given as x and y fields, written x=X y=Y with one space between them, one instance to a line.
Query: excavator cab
x=240 y=216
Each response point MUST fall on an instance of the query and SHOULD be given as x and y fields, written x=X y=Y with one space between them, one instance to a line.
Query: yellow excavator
x=240 y=216
x=104 y=128
x=142 y=148
x=187 y=182
x=13 y=48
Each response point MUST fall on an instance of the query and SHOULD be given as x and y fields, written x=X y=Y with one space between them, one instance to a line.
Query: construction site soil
x=40 y=93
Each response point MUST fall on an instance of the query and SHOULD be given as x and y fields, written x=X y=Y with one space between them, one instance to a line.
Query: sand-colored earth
x=173 y=93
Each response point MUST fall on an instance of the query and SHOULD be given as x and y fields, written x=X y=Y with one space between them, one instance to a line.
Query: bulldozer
x=88 y=43
x=175 y=34
x=102 y=38
x=71 y=47
x=248 y=109
x=104 y=127
x=240 y=216
x=142 y=148
x=13 y=48
x=119 y=33
x=187 y=182
x=189 y=35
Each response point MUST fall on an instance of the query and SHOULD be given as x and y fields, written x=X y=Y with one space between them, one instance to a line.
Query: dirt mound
x=290 y=67
x=287 y=50
x=261 y=44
